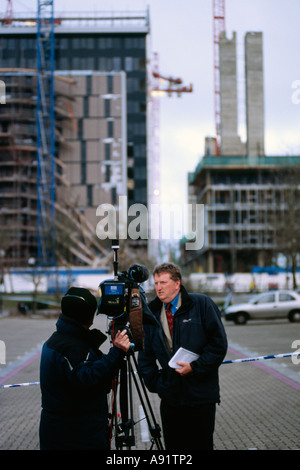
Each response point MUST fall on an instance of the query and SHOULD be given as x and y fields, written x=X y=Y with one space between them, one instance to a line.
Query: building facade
x=238 y=187
x=101 y=145
x=93 y=138
x=106 y=44
x=243 y=202
x=90 y=161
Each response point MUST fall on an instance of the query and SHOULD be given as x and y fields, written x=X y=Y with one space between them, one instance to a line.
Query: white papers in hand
x=182 y=355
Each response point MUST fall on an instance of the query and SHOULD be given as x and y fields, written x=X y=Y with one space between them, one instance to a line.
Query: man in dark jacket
x=188 y=393
x=75 y=378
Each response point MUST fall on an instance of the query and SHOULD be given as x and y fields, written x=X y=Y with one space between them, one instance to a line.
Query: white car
x=269 y=305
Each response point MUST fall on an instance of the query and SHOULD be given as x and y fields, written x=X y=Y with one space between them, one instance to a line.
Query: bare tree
x=285 y=219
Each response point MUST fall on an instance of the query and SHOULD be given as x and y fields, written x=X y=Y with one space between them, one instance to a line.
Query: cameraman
x=75 y=378
x=189 y=393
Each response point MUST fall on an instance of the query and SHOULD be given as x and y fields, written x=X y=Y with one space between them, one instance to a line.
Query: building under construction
x=76 y=242
x=246 y=194
x=98 y=130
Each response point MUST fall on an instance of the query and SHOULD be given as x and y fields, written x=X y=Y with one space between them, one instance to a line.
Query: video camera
x=123 y=299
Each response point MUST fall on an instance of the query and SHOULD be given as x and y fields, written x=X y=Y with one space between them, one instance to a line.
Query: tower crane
x=173 y=85
x=218 y=27
x=8 y=17
x=45 y=134
x=45 y=128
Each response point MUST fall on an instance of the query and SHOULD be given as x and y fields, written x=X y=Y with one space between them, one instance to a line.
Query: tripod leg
x=124 y=430
x=155 y=428
x=114 y=410
x=131 y=420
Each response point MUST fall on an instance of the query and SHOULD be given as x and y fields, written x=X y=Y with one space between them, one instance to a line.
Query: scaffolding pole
x=45 y=134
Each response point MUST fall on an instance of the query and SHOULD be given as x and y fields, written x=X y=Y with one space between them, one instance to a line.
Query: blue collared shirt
x=174 y=304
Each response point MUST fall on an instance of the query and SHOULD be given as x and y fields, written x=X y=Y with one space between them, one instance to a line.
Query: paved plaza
x=259 y=400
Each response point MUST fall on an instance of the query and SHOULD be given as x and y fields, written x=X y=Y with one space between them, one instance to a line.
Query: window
x=107 y=151
x=110 y=128
x=110 y=82
x=64 y=43
x=63 y=63
x=140 y=172
x=105 y=43
x=134 y=42
x=142 y=64
x=222 y=237
x=132 y=106
x=75 y=63
x=222 y=217
x=113 y=196
x=132 y=84
x=105 y=63
x=268 y=298
x=107 y=173
x=85 y=106
x=101 y=43
x=76 y=43
x=89 y=195
x=88 y=43
x=107 y=108
x=83 y=173
x=116 y=43
x=117 y=63
x=284 y=297
x=128 y=64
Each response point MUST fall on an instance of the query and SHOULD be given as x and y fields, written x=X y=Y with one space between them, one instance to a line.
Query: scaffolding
x=46 y=161
x=75 y=241
x=45 y=134
x=18 y=169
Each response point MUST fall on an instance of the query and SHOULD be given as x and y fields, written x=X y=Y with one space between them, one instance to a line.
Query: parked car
x=265 y=306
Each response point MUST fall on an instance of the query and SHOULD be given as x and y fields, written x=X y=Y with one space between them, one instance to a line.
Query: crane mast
x=45 y=134
x=218 y=27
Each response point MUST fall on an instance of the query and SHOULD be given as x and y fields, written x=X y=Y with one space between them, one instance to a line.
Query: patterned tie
x=170 y=318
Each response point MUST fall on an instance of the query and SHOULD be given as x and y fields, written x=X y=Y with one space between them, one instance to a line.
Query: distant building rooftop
x=98 y=21
x=243 y=163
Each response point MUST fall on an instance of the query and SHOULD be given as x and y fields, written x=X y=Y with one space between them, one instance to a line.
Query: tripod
x=124 y=432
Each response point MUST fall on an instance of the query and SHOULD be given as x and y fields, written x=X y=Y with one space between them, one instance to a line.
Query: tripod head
x=115 y=246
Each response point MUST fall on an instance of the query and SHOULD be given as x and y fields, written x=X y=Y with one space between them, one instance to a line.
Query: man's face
x=166 y=288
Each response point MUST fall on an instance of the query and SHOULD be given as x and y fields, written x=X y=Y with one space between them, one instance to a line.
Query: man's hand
x=185 y=368
x=122 y=340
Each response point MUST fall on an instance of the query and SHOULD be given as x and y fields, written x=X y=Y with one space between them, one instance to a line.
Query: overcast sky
x=182 y=34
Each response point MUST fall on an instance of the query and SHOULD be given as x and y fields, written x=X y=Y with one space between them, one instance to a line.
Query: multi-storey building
x=118 y=42
x=93 y=140
x=90 y=160
x=242 y=199
x=101 y=137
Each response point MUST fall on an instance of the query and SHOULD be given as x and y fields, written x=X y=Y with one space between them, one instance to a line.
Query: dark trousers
x=188 y=427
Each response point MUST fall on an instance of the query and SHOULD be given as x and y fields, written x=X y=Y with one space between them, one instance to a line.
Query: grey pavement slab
x=259 y=403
